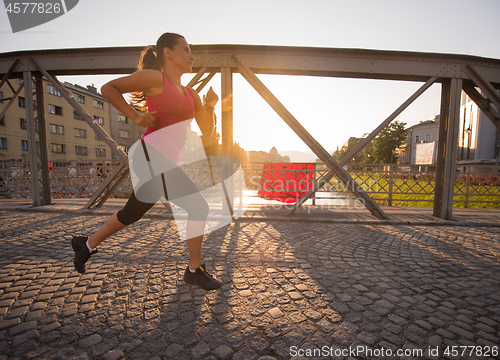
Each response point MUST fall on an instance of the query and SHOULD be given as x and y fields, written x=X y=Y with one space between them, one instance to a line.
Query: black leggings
x=192 y=201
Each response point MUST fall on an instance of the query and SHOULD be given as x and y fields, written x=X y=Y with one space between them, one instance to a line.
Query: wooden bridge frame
x=454 y=72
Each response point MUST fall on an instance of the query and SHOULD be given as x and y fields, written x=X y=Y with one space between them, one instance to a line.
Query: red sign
x=286 y=182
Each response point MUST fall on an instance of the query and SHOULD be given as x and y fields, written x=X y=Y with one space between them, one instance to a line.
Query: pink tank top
x=175 y=112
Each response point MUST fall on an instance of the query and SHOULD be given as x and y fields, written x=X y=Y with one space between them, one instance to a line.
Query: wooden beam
x=30 y=124
x=205 y=81
x=196 y=78
x=12 y=68
x=294 y=124
x=486 y=88
x=442 y=147
x=83 y=113
x=42 y=140
x=11 y=101
x=105 y=185
x=227 y=111
x=450 y=164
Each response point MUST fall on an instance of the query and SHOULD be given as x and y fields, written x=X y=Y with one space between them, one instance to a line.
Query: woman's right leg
x=131 y=212
x=111 y=226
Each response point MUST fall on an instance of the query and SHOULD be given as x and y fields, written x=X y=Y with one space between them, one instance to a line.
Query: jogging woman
x=168 y=108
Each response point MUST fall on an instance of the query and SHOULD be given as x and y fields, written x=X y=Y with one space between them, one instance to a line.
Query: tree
x=338 y=155
x=380 y=151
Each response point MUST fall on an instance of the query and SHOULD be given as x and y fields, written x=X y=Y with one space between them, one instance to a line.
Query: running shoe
x=82 y=253
x=202 y=278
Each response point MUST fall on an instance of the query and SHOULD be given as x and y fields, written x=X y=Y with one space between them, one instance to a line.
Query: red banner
x=286 y=182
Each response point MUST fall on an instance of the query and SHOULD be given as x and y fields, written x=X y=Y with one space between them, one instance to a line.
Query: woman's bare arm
x=148 y=81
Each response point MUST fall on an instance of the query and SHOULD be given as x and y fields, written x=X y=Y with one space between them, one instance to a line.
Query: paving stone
x=276 y=312
x=173 y=350
x=22 y=328
x=19 y=339
x=222 y=352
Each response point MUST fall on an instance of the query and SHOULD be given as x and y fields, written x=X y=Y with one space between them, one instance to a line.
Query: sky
x=331 y=109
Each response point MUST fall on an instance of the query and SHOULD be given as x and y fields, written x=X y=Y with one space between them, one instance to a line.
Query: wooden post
x=30 y=123
x=314 y=182
x=42 y=140
x=467 y=187
x=450 y=164
x=441 y=151
x=227 y=111
x=391 y=182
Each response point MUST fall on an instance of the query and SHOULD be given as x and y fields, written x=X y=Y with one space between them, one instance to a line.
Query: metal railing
x=387 y=184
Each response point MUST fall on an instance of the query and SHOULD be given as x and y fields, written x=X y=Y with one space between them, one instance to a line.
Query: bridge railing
x=389 y=184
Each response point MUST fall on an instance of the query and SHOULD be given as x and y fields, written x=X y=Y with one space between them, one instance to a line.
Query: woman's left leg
x=184 y=193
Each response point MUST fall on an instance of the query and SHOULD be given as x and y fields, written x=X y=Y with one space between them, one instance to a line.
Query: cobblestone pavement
x=288 y=287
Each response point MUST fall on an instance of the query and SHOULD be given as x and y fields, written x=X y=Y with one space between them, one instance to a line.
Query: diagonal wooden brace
x=482 y=103
x=319 y=184
x=118 y=175
x=485 y=86
x=83 y=113
x=313 y=144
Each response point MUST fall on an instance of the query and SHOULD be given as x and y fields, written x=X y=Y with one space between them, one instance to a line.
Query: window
x=58 y=148
x=100 y=152
x=52 y=90
x=124 y=148
x=20 y=81
x=21 y=101
x=56 y=129
x=79 y=98
x=2 y=121
x=122 y=118
x=23 y=123
x=81 y=150
x=1 y=95
x=417 y=138
x=24 y=144
x=3 y=143
x=80 y=133
x=97 y=136
x=99 y=120
x=98 y=104
x=123 y=134
x=428 y=137
x=76 y=115
x=56 y=110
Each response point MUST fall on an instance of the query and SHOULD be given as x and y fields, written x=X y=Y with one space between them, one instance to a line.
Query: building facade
x=478 y=138
x=123 y=130
x=69 y=137
x=425 y=132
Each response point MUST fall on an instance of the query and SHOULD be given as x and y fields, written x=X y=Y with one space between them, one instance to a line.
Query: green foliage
x=338 y=155
x=380 y=151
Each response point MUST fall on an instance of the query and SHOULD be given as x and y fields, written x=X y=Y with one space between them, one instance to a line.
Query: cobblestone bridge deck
x=325 y=279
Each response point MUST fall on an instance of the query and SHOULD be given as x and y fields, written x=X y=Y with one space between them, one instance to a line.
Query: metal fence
x=476 y=185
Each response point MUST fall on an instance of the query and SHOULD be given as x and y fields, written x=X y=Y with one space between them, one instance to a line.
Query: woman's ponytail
x=152 y=58
x=149 y=60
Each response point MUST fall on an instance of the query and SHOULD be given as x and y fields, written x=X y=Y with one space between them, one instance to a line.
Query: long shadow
x=314 y=285
x=287 y=284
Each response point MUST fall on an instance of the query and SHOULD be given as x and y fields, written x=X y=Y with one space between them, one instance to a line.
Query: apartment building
x=478 y=138
x=123 y=130
x=69 y=137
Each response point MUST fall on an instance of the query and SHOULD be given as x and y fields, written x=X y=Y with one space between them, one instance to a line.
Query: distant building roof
x=427 y=122
x=89 y=90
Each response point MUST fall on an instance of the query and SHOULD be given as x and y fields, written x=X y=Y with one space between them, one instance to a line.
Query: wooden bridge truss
x=478 y=77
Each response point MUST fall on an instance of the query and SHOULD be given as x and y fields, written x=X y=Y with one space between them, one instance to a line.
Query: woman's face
x=181 y=56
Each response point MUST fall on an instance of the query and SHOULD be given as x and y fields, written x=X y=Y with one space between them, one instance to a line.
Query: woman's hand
x=211 y=98
x=145 y=119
